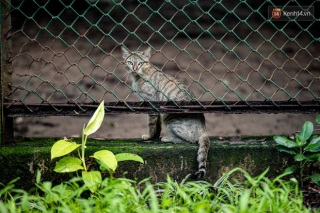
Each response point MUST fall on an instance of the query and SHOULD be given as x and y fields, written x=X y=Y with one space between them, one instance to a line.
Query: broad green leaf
x=92 y=180
x=290 y=170
x=314 y=145
x=306 y=131
x=299 y=140
x=95 y=121
x=299 y=157
x=313 y=148
x=285 y=149
x=318 y=119
x=62 y=147
x=313 y=137
x=107 y=158
x=285 y=141
x=316 y=178
x=103 y=167
x=313 y=157
x=68 y=164
x=128 y=156
x=82 y=136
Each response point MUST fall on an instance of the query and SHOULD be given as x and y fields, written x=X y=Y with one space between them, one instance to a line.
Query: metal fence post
x=5 y=70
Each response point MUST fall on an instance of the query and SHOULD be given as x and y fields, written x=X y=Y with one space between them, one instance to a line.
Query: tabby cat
x=154 y=85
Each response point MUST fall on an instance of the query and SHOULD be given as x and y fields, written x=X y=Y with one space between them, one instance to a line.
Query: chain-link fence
x=233 y=55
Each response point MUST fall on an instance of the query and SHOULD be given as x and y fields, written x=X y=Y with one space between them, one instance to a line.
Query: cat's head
x=135 y=60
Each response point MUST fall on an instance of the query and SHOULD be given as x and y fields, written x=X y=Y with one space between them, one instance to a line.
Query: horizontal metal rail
x=239 y=107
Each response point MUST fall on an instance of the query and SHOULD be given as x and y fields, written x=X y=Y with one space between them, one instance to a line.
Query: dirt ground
x=61 y=66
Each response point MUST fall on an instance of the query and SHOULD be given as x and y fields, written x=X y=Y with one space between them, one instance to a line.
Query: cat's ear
x=147 y=52
x=125 y=53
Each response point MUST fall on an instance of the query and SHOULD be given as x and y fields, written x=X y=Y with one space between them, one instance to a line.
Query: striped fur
x=154 y=85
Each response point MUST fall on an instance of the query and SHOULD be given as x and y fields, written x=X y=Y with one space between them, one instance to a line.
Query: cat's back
x=169 y=87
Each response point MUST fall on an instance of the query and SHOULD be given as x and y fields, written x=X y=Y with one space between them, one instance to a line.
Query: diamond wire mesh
x=68 y=52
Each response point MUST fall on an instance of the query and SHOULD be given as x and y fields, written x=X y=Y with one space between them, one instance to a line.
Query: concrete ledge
x=254 y=154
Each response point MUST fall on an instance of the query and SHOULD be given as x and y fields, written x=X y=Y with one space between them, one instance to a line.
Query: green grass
x=252 y=194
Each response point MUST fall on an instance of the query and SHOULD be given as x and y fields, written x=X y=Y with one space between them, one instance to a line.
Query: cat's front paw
x=145 y=137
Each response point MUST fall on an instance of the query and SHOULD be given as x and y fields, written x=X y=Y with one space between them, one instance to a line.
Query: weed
x=255 y=194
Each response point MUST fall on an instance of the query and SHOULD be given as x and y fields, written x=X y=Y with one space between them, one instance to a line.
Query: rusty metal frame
x=6 y=71
x=229 y=107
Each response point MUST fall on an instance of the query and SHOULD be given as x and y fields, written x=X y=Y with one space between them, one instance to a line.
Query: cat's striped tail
x=204 y=144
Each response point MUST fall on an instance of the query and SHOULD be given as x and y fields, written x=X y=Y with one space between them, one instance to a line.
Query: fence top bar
x=229 y=107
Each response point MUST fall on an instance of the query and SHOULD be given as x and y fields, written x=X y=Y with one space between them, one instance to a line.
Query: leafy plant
x=305 y=148
x=106 y=159
x=254 y=194
x=260 y=194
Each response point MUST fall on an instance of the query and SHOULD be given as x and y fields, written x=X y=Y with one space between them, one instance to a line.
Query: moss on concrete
x=254 y=154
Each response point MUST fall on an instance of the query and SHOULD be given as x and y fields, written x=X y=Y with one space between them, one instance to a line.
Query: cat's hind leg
x=172 y=138
x=168 y=139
